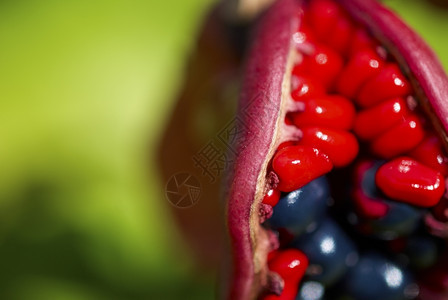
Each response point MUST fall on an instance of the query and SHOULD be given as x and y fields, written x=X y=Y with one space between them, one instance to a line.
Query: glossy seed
x=271 y=198
x=290 y=264
x=399 y=139
x=311 y=290
x=376 y=277
x=361 y=40
x=329 y=249
x=341 y=146
x=430 y=153
x=298 y=165
x=340 y=36
x=322 y=15
x=406 y=180
x=299 y=209
x=305 y=87
x=324 y=64
x=362 y=66
x=391 y=113
x=330 y=111
x=388 y=83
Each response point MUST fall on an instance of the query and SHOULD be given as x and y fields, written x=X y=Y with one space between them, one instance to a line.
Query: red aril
x=361 y=40
x=297 y=165
x=290 y=264
x=322 y=16
x=388 y=83
x=399 y=139
x=340 y=35
x=406 y=180
x=374 y=121
x=329 y=111
x=305 y=87
x=430 y=153
x=324 y=64
x=362 y=66
x=272 y=196
x=341 y=146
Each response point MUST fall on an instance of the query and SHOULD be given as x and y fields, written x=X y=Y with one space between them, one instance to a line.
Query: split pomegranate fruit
x=338 y=187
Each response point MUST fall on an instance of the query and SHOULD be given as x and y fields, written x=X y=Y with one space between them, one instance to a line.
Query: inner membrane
x=359 y=202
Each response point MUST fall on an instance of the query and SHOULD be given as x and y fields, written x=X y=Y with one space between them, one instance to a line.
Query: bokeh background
x=85 y=87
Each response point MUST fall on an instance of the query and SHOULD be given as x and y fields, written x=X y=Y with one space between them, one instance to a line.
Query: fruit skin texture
x=259 y=106
x=265 y=75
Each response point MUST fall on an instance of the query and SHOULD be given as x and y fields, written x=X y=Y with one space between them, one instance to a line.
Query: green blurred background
x=85 y=87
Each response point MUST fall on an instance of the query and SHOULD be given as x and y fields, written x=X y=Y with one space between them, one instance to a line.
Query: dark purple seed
x=375 y=277
x=330 y=252
x=311 y=290
x=298 y=210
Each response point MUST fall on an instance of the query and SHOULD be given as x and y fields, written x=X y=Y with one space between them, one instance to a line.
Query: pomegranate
x=337 y=190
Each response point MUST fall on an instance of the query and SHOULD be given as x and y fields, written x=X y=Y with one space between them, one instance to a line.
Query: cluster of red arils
x=355 y=102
